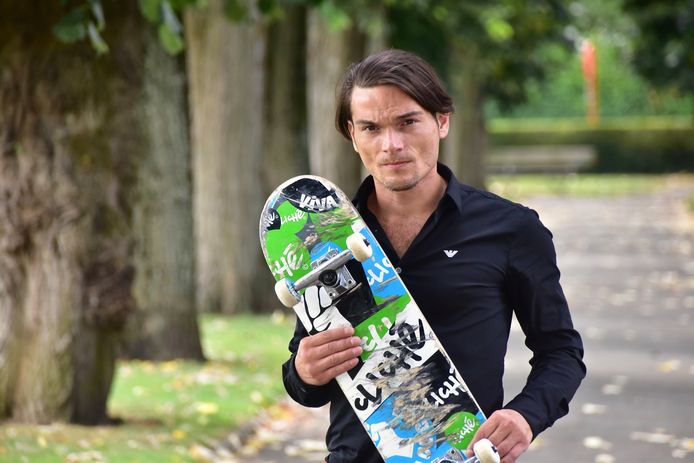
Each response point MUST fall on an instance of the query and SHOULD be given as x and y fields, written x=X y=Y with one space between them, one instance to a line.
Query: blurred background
x=140 y=138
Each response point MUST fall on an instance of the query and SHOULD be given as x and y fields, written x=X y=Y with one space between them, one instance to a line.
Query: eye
x=369 y=128
x=409 y=121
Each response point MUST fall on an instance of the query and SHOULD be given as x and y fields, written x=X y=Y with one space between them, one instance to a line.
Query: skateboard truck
x=329 y=271
x=484 y=452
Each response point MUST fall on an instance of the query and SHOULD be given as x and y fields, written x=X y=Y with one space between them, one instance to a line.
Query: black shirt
x=478 y=259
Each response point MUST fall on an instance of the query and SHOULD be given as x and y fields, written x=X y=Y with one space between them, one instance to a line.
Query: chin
x=400 y=184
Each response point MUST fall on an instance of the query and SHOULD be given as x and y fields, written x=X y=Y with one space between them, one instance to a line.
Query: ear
x=443 y=120
x=350 y=127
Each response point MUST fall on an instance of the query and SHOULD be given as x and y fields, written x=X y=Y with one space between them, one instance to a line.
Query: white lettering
x=317 y=204
x=450 y=386
x=383 y=271
x=288 y=263
x=295 y=217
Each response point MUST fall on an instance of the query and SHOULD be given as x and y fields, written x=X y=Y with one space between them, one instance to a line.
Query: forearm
x=552 y=383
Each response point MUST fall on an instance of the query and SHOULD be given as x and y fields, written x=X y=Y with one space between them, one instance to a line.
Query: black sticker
x=272 y=220
x=310 y=195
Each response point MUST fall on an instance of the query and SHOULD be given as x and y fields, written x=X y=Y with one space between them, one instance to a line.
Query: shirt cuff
x=303 y=393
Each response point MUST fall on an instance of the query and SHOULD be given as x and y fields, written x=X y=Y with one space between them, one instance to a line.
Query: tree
x=164 y=325
x=664 y=45
x=69 y=149
x=491 y=55
x=82 y=166
x=332 y=44
x=286 y=152
x=227 y=98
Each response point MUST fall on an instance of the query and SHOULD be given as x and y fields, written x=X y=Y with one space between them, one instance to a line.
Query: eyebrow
x=400 y=117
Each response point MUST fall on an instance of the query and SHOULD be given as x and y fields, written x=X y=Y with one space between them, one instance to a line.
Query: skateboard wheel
x=486 y=452
x=359 y=247
x=286 y=294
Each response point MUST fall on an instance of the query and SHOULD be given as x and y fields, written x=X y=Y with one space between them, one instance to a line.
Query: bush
x=647 y=145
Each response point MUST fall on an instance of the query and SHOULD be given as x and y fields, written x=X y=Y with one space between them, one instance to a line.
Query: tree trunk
x=69 y=141
x=466 y=145
x=286 y=152
x=164 y=325
x=225 y=64
x=328 y=55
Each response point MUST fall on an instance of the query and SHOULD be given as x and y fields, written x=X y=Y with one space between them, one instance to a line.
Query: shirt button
x=398 y=270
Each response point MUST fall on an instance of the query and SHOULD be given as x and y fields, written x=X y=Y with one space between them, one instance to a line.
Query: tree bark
x=68 y=150
x=164 y=326
x=286 y=152
x=328 y=55
x=466 y=145
x=225 y=64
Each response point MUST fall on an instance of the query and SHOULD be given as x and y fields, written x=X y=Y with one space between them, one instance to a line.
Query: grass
x=585 y=185
x=169 y=407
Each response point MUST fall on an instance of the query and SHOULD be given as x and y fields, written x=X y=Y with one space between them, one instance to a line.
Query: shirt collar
x=453 y=191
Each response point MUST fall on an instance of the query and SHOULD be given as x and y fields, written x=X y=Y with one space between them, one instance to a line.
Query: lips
x=395 y=163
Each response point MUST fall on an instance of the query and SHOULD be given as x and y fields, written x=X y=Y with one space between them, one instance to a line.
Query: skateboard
x=330 y=269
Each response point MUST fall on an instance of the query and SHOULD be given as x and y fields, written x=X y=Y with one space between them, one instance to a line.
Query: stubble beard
x=400 y=185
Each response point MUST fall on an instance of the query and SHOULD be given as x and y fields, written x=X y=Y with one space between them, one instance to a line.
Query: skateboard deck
x=330 y=269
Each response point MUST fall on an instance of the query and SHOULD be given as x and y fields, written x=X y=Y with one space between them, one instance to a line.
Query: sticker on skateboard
x=329 y=268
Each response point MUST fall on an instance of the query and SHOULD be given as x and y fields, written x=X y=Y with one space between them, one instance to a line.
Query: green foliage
x=337 y=17
x=623 y=92
x=664 y=46
x=86 y=20
x=501 y=38
x=161 y=13
x=235 y=10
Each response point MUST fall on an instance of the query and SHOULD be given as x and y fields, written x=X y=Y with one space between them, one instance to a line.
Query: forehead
x=381 y=101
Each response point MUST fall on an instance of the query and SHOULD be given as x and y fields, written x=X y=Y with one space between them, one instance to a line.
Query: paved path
x=628 y=272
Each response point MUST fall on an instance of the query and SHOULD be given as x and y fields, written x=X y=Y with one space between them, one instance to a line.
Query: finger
x=486 y=430
x=338 y=369
x=514 y=453
x=328 y=336
x=319 y=364
x=319 y=372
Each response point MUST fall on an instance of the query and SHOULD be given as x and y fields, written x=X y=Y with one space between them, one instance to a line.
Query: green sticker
x=374 y=328
x=461 y=428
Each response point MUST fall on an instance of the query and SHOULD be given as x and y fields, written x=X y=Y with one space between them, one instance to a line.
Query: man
x=499 y=260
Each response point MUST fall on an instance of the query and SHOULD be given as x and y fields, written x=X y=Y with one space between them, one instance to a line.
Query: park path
x=628 y=272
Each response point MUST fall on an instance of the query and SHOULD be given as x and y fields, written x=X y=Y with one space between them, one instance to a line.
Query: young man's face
x=397 y=139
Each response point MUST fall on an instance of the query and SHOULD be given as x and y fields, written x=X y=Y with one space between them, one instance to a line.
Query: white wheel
x=359 y=247
x=486 y=452
x=285 y=294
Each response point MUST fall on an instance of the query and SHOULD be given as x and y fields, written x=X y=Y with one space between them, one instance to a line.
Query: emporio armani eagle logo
x=450 y=253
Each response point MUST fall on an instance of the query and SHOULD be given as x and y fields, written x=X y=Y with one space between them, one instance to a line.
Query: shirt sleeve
x=557 y=368
x=305 y=394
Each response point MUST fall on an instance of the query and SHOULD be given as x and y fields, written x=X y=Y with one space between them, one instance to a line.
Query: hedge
x=647 y=144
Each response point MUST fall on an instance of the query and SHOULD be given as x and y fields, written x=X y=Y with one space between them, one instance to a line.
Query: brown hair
x=405 y=70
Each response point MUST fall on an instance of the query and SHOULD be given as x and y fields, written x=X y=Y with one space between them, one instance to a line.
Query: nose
x=392 y=141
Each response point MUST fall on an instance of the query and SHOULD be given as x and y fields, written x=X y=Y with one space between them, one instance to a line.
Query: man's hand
x=508 y=431
x=325 y=355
